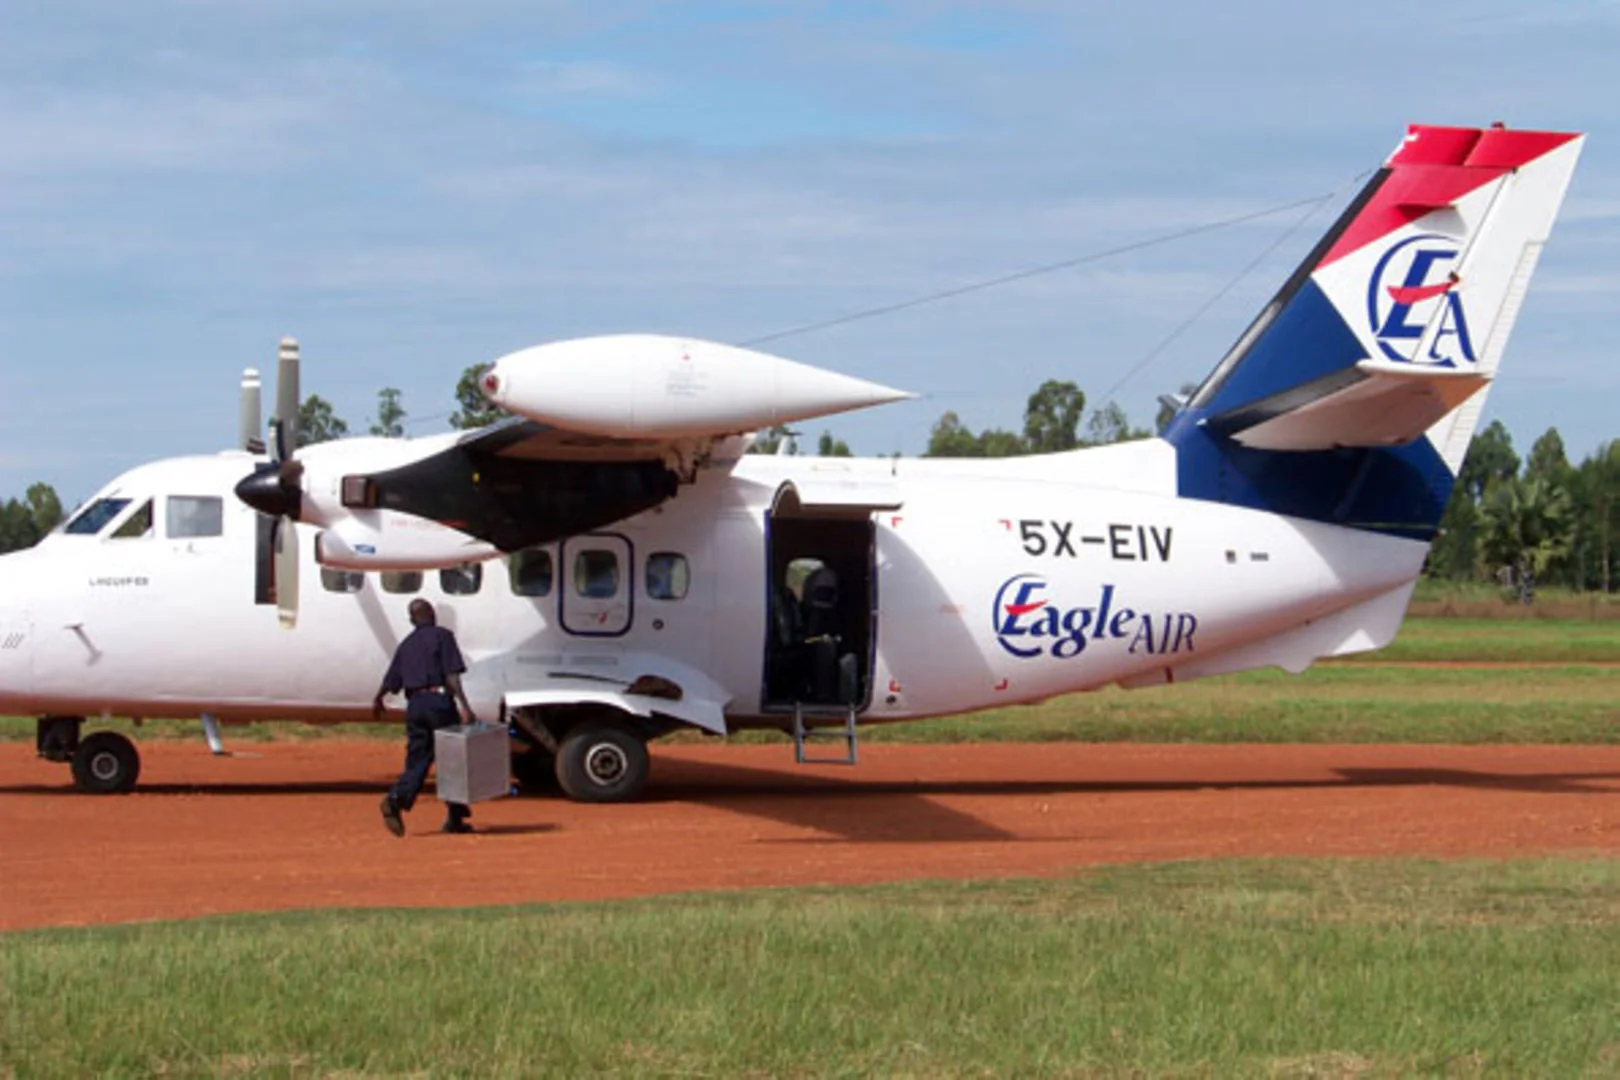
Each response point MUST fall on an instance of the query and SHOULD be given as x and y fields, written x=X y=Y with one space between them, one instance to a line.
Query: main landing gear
x=598 y=757
x=104 y=762
x=602 y=761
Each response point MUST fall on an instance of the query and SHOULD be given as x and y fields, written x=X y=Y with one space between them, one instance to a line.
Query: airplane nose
x=268 y=491
x=16 y=646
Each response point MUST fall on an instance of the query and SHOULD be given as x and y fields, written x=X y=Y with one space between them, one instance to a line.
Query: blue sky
x=412 y=187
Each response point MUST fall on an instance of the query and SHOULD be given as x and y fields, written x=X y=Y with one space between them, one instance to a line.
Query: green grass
x=1342 y=703
x=1535 y=641
x=1433 y=597
x=1435 y=589
x=1205 y=969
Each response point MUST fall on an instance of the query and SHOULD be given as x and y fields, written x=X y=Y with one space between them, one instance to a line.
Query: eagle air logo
x=1413 y=305
x=1030 y=623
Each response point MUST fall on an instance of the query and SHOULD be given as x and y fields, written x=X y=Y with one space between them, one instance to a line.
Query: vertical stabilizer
x=1352 y=397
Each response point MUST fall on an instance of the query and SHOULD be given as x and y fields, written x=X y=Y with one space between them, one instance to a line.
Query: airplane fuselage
x=985 y=583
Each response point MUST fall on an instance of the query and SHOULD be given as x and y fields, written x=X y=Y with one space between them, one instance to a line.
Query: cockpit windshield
x=93 y=518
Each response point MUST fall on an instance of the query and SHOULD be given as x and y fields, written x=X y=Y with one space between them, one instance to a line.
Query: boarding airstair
x=803 y=734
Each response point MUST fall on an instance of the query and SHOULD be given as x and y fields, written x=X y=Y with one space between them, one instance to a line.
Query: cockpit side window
x=93 y=518
x=137 y=524
x=189 y=516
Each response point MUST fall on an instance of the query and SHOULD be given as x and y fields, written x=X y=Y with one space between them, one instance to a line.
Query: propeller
x=285 y=569
x=276 y=487
x=249 y=413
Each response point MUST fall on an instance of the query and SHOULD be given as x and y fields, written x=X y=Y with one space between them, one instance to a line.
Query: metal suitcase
x=474 y=763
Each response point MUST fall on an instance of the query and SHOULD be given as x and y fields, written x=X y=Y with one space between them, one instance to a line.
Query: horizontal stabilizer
x=1372 y=403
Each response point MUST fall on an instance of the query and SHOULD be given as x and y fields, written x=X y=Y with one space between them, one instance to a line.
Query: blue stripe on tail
x=1400 y=491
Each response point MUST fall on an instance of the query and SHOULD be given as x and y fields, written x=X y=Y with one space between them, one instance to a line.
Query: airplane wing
x=518 y=483
x=529 y=440
x=608 y=428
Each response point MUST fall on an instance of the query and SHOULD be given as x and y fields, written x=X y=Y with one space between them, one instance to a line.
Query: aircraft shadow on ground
x=845 y=807
x=849 y=809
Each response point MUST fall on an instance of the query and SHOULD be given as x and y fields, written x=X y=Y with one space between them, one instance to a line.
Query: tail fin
x=1352 y=397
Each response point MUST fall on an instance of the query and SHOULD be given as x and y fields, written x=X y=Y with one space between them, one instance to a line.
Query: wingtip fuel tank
x=650 y=386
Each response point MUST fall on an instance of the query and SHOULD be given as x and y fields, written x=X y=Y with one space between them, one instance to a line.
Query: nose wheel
x=106 y=763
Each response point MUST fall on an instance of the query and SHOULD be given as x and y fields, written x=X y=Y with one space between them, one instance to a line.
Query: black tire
x=535 y=771
x=602 y=761
x=106 y=763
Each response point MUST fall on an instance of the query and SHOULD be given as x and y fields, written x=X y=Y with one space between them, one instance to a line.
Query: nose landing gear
x=104 y=763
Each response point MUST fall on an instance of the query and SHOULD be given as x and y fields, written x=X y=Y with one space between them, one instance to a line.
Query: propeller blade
x=251 y=408
x=286 y=572
x=287 y=398
x=278 y=441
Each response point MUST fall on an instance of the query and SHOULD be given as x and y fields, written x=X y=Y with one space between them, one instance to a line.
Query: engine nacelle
x=382 y=540
x=645 y=386
x=329 y=472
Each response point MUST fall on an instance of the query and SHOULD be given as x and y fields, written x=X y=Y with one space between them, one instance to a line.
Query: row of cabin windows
x=530 y=573
x=186 y=517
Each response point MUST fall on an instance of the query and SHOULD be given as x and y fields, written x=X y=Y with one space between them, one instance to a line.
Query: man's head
x=421 y=613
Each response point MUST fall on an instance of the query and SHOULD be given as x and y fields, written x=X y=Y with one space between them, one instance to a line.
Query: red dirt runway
x=295 y=825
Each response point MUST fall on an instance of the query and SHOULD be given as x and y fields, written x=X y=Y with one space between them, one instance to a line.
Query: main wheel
x=601 y=761
x=106 y=763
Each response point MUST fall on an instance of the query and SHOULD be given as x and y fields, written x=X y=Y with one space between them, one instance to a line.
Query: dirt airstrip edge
x=295 y=825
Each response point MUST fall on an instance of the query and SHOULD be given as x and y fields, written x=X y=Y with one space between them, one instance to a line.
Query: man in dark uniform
x=427 y=667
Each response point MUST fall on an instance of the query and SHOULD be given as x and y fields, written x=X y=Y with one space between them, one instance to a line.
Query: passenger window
x=530 y=572
x=401 y=581
x=137 y=524
x=93 y=518
x=342 y=581
x=596 y=574
x=463 y=580
x=194 y=515
x=668 y=576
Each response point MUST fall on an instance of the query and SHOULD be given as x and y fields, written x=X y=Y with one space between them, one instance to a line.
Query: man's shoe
x=390 y=815
x=455 y=826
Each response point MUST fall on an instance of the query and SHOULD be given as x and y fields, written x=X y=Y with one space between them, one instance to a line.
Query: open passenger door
x=822 y=609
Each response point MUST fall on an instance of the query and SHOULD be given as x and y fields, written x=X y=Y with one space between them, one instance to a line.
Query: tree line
x=1539 y=521
x=25 y=521
x=1519 y=523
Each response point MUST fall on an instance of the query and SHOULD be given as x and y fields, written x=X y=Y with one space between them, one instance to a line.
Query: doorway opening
x=821 y=611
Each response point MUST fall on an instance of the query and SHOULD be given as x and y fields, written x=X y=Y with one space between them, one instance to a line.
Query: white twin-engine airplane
x=617 y=569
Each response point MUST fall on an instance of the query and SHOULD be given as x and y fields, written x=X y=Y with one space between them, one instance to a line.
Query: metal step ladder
x=803 y=735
